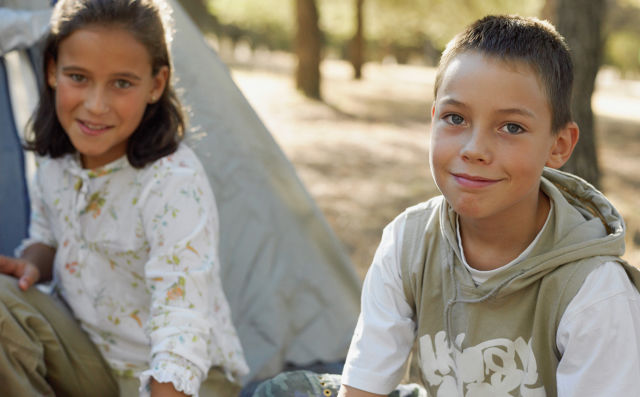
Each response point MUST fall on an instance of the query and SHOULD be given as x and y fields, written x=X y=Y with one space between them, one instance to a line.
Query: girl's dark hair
x=163 y=123
x=528 y=40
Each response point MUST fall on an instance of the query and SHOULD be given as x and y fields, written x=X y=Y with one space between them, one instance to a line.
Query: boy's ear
x=51 y=74
x=564 y=142
x=159 y=84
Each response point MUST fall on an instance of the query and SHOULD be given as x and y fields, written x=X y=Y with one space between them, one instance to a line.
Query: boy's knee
x=300 y=384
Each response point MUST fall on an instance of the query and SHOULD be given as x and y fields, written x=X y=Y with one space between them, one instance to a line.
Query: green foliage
x=406 y=27
x=262 y=22
x=623 y=51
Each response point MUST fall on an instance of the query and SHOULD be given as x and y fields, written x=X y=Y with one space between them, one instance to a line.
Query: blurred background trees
x=600 y=32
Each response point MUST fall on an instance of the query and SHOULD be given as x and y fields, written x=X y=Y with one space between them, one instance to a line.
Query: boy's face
x=490 y=137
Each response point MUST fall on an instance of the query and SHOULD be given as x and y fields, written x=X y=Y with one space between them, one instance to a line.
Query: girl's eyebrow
x=127 y=75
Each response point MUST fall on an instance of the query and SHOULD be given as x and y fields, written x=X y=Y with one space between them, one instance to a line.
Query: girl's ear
x=564 y=142
x=51 y=74
x=159 y=84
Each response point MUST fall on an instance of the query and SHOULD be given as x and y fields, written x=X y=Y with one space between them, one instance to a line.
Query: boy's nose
x=477 y=147
x=96 y=101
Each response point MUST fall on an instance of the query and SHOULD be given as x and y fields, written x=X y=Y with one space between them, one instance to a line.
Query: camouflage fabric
x=310 y=384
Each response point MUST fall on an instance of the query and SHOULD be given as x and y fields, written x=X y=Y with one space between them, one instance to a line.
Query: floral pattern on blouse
x=137 y=262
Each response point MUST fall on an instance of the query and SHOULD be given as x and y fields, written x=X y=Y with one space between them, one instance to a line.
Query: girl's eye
x=78 y=78
x=122 y=83
x=512 y=128
x=454 y=119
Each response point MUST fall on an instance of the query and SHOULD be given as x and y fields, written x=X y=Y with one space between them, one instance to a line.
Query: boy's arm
x=385 y=331
x=348 y=391
x=599 y=337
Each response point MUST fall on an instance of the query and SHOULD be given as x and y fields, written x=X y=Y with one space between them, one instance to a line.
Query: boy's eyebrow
x=520 y=111
x=451 y=101
x=127 y=75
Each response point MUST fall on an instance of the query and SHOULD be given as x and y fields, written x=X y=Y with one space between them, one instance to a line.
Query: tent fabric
x=14 y=199
x=293 y=292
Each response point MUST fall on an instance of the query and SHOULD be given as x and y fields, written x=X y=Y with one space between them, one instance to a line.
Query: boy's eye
x=122 y=83
x=512 y=128
x=454 y=119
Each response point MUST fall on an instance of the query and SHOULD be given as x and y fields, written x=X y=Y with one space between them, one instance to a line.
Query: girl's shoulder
x=181 y=162
x=47 y=167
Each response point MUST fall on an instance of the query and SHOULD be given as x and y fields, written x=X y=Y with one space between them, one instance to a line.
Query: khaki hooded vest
x=499 y=338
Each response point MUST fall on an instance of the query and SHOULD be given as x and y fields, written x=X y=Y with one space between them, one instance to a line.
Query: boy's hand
x=26 y=272
x=348 y=391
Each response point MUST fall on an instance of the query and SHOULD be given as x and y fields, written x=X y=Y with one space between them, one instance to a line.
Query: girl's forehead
x=103 y=46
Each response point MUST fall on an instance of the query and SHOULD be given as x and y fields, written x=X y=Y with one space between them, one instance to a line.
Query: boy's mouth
x=473 y=181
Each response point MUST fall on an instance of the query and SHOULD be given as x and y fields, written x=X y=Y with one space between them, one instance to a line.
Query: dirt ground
x=363 y=151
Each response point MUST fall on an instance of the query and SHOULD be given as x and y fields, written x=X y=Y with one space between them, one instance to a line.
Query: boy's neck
x=492 y=243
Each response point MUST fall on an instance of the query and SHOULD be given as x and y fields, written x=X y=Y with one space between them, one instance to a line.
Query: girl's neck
x=492 y=243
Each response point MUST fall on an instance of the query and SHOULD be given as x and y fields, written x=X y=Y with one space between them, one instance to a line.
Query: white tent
x=292 y=289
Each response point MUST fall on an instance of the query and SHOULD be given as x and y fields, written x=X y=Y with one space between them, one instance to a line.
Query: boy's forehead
x=488 y=83
x=473 y=62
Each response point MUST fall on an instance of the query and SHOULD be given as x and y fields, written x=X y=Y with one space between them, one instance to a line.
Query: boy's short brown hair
x=528 y=40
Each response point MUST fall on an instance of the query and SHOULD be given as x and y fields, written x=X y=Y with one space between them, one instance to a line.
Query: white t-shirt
x=137 y=262
x=598 y=335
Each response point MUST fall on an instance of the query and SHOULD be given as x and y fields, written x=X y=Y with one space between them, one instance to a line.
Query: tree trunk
x=357 y=43
x=308 y=48
x=200 y=15
x=580 y=22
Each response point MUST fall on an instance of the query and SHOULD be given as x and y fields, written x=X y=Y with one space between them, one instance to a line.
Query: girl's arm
x=34 y=265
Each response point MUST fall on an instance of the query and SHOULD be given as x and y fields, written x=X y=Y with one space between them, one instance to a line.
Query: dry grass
x=362 y=152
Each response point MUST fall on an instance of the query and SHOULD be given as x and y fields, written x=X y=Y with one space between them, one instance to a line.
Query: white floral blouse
x=137 y=262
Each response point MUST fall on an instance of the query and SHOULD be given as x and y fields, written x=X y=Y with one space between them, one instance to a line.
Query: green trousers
x=44 y=352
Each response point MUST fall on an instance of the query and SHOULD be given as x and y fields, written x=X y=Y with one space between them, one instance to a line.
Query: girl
x=123 y=221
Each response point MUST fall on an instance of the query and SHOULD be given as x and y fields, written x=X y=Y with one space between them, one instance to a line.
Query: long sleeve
x=385 y=330
x=189 y=314
x=599 y=337
x=39 y=225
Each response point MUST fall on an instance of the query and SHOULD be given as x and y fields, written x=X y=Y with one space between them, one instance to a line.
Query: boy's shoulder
x=414 y=219
x=424 y=209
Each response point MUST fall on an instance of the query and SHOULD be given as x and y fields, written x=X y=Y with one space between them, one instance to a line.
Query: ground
x=363 y=151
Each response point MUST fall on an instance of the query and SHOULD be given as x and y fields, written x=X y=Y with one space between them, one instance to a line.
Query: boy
x=511 y=281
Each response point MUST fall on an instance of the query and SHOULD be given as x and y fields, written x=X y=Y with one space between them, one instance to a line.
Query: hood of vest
x=583 y=224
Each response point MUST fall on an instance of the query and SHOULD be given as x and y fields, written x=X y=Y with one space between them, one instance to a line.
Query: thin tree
x=200 y=14
x=308 y=48
x=357 y=43
x=580 y=22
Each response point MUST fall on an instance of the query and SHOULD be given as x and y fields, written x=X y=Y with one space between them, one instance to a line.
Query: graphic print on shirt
x=494 y=368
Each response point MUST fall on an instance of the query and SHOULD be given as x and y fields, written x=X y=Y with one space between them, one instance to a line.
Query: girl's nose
x=96 y=101
x=477 y=146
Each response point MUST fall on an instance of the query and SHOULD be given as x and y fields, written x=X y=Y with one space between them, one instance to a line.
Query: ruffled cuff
x=167 y=367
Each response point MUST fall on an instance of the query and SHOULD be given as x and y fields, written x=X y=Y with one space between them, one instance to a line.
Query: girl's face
x=103 y=82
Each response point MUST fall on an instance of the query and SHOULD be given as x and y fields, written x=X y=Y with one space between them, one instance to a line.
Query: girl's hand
x=164 y=389
x=26 y=272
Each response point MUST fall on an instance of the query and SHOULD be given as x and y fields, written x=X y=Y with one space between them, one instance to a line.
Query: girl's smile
x=103 y=83
x=93 y=129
